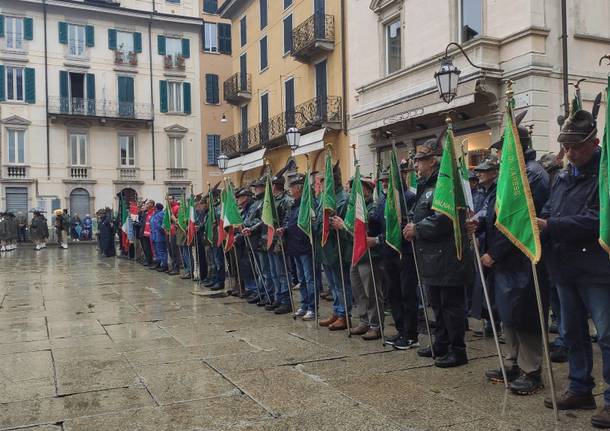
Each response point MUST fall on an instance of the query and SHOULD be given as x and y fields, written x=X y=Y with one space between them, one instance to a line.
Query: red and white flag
x=360 y=219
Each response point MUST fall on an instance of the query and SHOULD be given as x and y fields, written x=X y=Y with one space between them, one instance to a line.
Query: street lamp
x=223 y=162
x=224 y=119
x=448 y=76
x=293 y=136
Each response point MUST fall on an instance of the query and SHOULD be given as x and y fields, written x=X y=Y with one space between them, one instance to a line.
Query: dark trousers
x=400 y=278
x=203 y=263
x=147 y=250
x=449 y=305
x=174 y=253
x=21 y=234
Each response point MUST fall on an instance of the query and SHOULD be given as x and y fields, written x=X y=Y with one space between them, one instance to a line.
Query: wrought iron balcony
x=78 y=172
x=238 y=88
x=174 y=62
x=16 y=172
x=125 y=58
x=313 y=114
x=315 y=36
x=99 y=108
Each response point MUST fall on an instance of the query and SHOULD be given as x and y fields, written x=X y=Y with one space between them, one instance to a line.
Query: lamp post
x=448 y=76
x=293 y=136
x=222 y=162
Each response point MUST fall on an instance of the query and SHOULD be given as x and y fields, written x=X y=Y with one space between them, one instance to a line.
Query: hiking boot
x=454 y=358
x=559 y=354
x=338 y=325
x=496 y=376
x=359 y=330
x=372 y=334
x=570 y=401
x=329 y=321
x=283 y=309
x=253 y=299
x=271 y=307
x=208 y=283
x=527 y=384
x=217 y=286
x=601 y=419
x=403 y=343
x=426 y=352
x=391 y=340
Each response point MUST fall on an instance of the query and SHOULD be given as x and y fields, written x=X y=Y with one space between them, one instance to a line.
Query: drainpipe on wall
x=564 y=48
x=344 y=65
x=152 y=101
x=46 y=89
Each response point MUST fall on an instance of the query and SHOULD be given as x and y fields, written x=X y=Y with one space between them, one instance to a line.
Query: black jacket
x=435 y=243
x=574 y=256
x=297 y=242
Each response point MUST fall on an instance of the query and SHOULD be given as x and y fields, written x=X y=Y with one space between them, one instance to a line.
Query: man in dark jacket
x=578 y=265
x=244 y=256
x=514 y=286
x=440 y=270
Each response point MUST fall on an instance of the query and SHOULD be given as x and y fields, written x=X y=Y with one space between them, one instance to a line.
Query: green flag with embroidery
x=306 y=208
x=604 y=186
x=167 y=222
x=392 y=211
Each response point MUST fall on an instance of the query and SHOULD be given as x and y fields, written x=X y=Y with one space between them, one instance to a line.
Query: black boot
x=496 y=375
x=217 y=286
x=283 y=309
x=426 y=352
x=527 y=384
x=209 y=283
x=272 y=306
x=454 y=358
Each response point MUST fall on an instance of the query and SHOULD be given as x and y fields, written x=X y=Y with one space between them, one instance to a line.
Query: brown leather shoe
x=601 y=419
x=570 y=401
x=359 y=330
x=329 y=321
x=372 y=334
x=338 y=325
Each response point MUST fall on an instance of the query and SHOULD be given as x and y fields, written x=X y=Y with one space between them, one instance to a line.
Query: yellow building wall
x=282 y=67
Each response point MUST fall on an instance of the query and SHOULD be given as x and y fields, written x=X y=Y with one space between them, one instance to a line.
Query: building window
x=210 y=6
x=15 y=88
x=76 y=40
x=210 y=37
x=243 y=31
x=471 y=16
x=13 y=32
x=78 y=149
x=127 y=148
x=124 y=42
x=213 y=149
x=393 y=47
x=263 y=13
x=287 y=34
x=16 y=146
x=173 y=48
x=287 y=3
x=175 y=152
x=264 y=56
x=211 y=89
x=174 y=96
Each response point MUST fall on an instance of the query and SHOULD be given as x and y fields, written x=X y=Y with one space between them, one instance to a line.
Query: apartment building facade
x=288 y=71
x=393 y=94
x=98 y=98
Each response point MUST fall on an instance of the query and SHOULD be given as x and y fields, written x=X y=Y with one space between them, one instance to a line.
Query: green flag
x=183 y=216
x=306 y=208
x=515 y=212
x=350 y=213
x=329 y=204
x=268 y=216
x=231 y=215
x=167 y=222
x=604 y=187
x=449 y=194
x=412 y=182
x=210 y=220
x=392 y=211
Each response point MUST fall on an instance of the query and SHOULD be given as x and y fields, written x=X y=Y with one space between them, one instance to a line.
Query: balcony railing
x=238 y=88
x=125 y=58
x=316 y=35
x=78 y=173
x=314 y=113
x=174 y=62
x=103 y=108
x=128 y=174
x=16 y=171
x=177 y=173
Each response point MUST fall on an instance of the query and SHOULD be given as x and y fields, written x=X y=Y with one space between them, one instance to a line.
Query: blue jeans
x=334 y=280
x=305 y=272
x=185 y=253
x=266 y=284
x=219 y=264
x=161 y=252
x=576 y=304
x=278 y=273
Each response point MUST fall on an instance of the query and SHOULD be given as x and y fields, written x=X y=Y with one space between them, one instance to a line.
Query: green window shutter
x=224 y=38
x=63 y=32
x=163 y=96
x=28 y=28
x=1 y=26
x=89 y=36
x=186 y=48
x=64 y=102
x=90 y=93
x=2 y=85
x=30 y=85
x=137 y=42
x=161 y=45
x=215 y=95
x=211 y=89
x=111 y=39
x=186 y=90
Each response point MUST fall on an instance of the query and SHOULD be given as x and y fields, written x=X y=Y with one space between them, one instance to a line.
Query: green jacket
x=283 y=202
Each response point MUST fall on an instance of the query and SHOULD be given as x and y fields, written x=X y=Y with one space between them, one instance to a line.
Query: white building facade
x=98 y=98
x=393 y=95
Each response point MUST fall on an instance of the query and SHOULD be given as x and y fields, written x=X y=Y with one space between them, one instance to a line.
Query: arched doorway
x=80 y=203
x=129 y=195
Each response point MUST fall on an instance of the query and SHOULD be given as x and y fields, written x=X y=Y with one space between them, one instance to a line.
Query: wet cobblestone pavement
x=95 y=344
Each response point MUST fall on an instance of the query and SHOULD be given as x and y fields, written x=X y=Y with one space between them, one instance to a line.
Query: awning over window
x=234 y=165
x=311 y=142
x=253 y=160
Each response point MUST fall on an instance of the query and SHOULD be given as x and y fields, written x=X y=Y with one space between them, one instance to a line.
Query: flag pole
x=261 y=278
x=238 y=277
x=545 y=341
x=195 y=266
x=421 y=288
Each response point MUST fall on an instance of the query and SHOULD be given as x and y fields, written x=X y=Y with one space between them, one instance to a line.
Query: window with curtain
x=174 y=96
x=15 y=86
x=78 y=149
x=175 y=152
x=173 y=48
x=393 y=47
x=13 y=31
x=16 y=146
x=76 y=40
x=471 y=19
x=127 y=148
x=124 y=42
x=210 y=37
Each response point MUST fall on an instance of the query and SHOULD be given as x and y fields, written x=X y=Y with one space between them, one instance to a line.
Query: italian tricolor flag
x=230 y=216
x=359 y=219
x=268 y=211
x=190 y=230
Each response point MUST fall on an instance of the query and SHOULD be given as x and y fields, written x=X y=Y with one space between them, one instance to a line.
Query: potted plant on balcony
x=180 y=61
x=169 y=62
x=133 y=58
x=118 y=56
